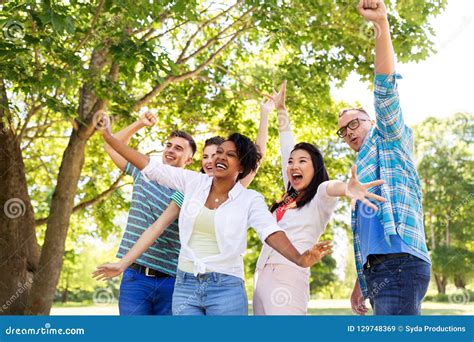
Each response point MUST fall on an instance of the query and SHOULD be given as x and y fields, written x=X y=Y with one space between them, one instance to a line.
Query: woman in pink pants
x=281 y=287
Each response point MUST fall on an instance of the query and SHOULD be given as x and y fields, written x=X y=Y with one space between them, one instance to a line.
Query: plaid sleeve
x=178 y=198
x=133 y=171
x=389 y=117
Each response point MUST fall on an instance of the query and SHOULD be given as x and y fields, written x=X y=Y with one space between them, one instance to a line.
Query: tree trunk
x=51 y=261
x=62 y=203
x=19 y=251
x=440 y=283
x=460 y=281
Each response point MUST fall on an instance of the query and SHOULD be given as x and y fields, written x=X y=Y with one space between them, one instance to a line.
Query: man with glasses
x=393 y=265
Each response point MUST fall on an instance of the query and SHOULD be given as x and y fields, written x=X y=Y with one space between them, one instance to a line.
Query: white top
x=203 y=240
x=304 y=225
x=243 y=209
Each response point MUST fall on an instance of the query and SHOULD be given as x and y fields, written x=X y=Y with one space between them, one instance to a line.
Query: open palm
x=107 y=271
x=315 y=253
x=358 y=191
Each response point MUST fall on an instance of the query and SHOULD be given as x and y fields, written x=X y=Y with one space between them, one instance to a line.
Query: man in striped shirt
x=392 y=260
x=147 y=285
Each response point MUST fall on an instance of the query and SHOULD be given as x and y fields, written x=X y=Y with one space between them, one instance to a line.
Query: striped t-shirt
x=149 y=200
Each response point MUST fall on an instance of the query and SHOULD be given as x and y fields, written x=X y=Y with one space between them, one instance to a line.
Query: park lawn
x=328 y=308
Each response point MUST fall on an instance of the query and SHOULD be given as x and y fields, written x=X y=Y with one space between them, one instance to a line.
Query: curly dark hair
x=248 y=153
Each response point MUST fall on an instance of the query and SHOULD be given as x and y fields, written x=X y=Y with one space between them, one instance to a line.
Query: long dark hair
x=216 y=140
x=320 y=175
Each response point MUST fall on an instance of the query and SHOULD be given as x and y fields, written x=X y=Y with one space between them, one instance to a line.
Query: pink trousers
x=280 y=290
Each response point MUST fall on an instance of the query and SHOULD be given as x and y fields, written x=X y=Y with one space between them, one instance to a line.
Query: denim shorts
x=212 y=294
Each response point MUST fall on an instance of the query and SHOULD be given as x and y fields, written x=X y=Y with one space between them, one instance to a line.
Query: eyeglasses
x=353 y=124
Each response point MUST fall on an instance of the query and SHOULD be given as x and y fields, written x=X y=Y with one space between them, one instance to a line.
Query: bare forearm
x=150 y=235
x=132 y=156
x=124 y=135
x=384 y=54
x=280 y=242
x=262 y=136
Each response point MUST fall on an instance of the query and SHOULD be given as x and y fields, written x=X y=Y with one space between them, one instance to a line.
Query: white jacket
x=243 y=209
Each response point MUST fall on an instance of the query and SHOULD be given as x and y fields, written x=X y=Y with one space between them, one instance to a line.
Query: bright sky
x=443 y=83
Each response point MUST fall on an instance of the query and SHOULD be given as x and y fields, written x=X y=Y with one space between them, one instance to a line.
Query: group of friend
x=194 y=265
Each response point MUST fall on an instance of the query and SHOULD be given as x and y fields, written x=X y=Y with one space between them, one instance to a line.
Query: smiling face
x=300 y=170
x=355 y=137
x=178 y=152
x=207 y=159
x=226 y=161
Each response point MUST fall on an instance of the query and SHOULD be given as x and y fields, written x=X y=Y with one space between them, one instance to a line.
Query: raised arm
x=376 y=12
x=129 y=154
x=287 y=141
x=262 y=137
x=145 y=120
x=110 y=270
x=389 y=116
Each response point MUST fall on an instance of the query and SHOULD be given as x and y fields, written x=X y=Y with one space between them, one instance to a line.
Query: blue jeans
x=397 y=286
x=142 y=295
x=209 y=294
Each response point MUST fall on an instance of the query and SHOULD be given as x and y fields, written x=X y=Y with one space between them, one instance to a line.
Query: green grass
x=440 y=309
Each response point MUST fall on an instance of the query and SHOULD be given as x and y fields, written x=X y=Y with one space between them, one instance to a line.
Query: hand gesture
x=372 y=10
x=107 y=271
x=148 y=119
x=356 y=190
x=358 y=301
x=315 y=254
x=103 y=124
x=279 y=98
x=266 y=106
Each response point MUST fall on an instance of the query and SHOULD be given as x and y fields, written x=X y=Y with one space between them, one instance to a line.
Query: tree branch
x=174 y=79
x=203 y=25
x=33 y=110
x=90 y=202
x=211 y=58
x=91 y=28
x=213 y=40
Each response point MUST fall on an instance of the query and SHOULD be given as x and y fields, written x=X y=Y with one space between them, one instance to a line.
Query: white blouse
x=304 y=225
x=243 y=209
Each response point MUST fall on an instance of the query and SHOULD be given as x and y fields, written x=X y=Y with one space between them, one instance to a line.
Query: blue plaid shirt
x=387 y=153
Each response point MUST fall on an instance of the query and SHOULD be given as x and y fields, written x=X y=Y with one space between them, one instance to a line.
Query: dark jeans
x=397 y=286
x=142 y=295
